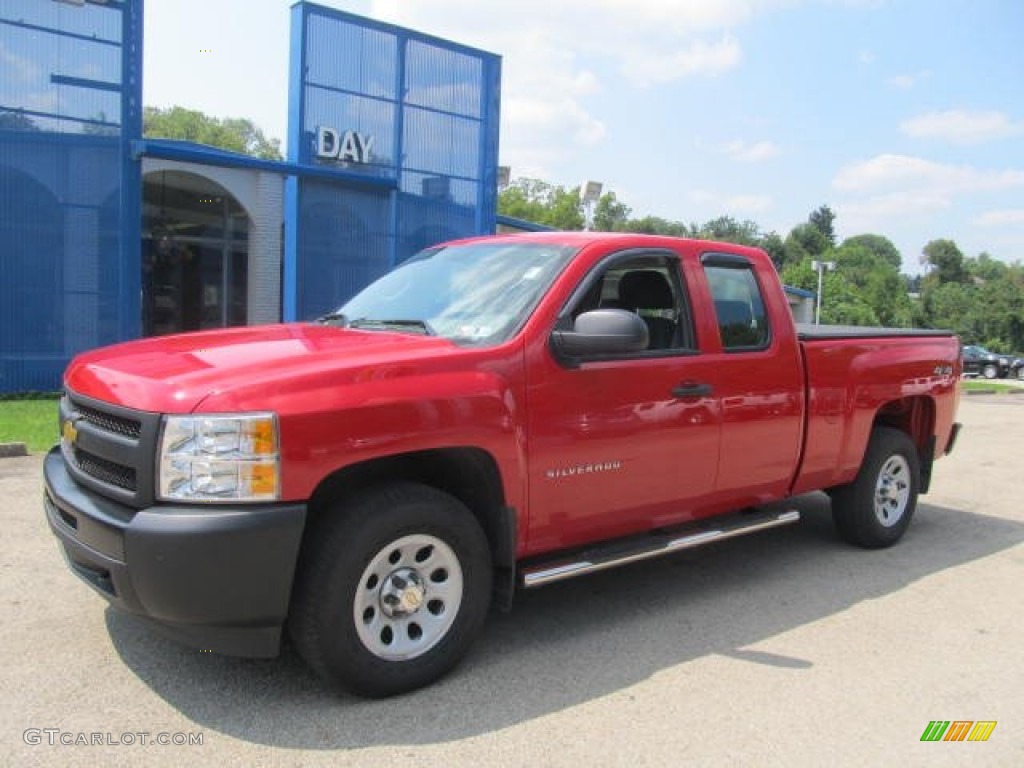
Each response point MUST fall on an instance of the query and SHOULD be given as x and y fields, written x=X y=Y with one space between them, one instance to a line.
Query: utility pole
x=821 y=267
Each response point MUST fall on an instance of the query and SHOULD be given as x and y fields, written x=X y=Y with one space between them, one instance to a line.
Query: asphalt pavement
x=782 y=648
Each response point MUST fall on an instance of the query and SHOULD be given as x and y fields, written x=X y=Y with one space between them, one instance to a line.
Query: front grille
x=108 y=472
x=110 y=423
x=110 y=448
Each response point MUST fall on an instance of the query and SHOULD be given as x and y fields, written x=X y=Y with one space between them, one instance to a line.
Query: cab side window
x=648 y=285
x=739 y=305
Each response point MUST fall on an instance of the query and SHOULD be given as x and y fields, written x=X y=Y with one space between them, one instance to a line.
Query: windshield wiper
x=333 y=318
x=400 y=325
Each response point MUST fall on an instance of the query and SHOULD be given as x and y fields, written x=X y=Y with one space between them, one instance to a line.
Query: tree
x=11 y=120
x=655 y=225
x=775 y=248
x=728 y=230
x=537 y=201
x=609 y=214
x=946 y=261
x=880 y=246
x=985 y=268
x=876 y=282
x=842 y=303
x=806 y=239
x=822 y=220
x=230 y=133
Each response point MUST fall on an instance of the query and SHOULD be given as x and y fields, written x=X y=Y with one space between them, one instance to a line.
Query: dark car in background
x=1017 y=368
x=978 y=361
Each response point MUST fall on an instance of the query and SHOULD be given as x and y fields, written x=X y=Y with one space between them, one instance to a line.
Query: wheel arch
x=914 y=416
x=467 y=473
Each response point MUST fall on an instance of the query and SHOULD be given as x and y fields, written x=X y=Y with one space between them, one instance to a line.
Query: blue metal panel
x=429 y=109
x=70 y=101
x=342 y=235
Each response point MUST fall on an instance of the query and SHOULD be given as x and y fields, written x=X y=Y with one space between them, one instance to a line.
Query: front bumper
x=214 y=577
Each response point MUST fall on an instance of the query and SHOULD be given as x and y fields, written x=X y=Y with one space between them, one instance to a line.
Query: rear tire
x=394 y=588
x=875 y=509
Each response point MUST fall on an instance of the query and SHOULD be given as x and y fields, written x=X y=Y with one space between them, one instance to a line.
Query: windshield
x=478 y=293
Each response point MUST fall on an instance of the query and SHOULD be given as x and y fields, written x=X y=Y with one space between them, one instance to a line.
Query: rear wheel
x=393 y=590
x=875 y=509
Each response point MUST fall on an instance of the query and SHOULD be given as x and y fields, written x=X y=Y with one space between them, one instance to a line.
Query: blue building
x=106 y=236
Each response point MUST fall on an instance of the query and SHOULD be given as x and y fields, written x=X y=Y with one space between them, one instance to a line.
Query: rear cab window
x=739 y=303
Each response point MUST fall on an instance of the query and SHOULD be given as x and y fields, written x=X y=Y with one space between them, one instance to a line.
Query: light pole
x=590 y=193
x=504 y=177
x=821 y=267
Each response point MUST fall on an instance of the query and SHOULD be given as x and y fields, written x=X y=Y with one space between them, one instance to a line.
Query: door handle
x=692 y=389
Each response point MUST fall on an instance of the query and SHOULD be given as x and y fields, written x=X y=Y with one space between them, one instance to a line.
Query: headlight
x=219 y=458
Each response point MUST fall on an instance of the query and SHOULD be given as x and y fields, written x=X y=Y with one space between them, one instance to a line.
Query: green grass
x=33 y=422
x=986 y=386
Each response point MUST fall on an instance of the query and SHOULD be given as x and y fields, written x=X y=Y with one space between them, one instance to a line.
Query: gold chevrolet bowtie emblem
x=69 y=432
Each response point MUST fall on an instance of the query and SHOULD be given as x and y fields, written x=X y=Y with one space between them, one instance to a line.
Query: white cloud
x=909 y=80
x=745 y=152
x=888 y=191
x=1010 y=216
x=647 y=67
x=732 y=205
x=901 y=172
x=962 y=127
x=558 y=55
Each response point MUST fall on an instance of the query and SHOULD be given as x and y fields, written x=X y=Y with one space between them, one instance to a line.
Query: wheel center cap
x=402 y=593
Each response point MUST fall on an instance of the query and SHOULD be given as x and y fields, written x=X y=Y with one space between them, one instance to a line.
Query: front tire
x=393 y=589
x=990 y=371
x=875 y=509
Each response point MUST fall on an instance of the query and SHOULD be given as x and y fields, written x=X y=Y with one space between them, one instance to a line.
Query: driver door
x=623 y=443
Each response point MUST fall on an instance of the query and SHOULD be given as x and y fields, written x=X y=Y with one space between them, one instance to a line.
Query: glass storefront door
x=195 y=255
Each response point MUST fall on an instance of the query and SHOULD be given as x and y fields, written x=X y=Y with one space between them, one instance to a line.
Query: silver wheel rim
x=408 y=597
x=892 y=491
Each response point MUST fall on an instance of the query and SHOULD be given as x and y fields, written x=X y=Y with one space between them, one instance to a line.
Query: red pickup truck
x=495 y=414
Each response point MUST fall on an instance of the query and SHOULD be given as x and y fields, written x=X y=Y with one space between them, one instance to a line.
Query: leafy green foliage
x=542 y=203
x=231 y=133
x=822 y=220
x=610 y=215
x=11 y=120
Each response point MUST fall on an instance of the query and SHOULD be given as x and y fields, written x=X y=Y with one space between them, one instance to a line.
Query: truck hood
x=174 y=374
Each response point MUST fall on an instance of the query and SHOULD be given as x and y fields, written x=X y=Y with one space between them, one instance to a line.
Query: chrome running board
x=621 y=552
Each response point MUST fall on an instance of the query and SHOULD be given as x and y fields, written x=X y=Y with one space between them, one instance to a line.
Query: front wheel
x=393 y=590
x=875 y=509
x=990 y=371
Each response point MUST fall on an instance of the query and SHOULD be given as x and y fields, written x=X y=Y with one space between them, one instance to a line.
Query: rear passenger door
x=757 y=379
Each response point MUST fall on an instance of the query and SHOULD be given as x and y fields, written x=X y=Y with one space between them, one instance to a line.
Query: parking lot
x=782 y=648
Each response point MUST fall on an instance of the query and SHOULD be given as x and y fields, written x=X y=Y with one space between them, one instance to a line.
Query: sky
x=906 y=117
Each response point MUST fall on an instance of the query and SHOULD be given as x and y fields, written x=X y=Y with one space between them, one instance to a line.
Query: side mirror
x=602 y=332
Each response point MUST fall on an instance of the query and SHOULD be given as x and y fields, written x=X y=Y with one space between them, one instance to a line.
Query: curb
x=12 y=450
x=1011 y=392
